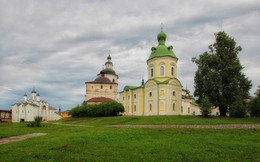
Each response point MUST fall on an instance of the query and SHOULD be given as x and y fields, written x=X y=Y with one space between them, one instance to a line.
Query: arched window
x=173 y=93
x=101 y=86
x=188 y=110
x=113 y=80
x=173 y=106
x=151 y=72
x=162 y=70
x=150 y=107
x=110 y=87
x=172 y=71
x=134 y=107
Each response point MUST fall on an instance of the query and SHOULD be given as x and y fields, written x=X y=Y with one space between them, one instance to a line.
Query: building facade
x=30 y=108
x=162 y=93
x=104 y=87
x=5 y=115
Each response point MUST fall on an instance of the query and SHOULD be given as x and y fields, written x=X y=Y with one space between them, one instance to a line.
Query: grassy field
x=99 y=143
x=182 y=120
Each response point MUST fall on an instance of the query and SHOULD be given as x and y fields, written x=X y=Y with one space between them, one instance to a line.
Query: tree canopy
x=219 y=75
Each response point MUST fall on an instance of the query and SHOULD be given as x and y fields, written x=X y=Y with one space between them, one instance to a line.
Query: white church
x=30 y=108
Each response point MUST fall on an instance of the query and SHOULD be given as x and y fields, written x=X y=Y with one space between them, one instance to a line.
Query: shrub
x=98 y=110
x=205 y=107
x=36 y=123
x=238 y=108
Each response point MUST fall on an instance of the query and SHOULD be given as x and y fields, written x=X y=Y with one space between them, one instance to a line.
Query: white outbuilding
x=30 y=108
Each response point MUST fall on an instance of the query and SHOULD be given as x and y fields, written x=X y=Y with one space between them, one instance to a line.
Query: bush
x=36 y=123
x=98 y=110
x=254 y=104
x=238 y=108
x=205 y=107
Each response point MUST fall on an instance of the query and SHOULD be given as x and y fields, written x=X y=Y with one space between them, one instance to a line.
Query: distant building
x=162 y=93
x=5 y=115
x=30 y=108
x=104 y=87
x=65 y=114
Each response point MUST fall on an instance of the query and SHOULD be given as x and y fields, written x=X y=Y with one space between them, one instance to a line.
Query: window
x=134 y=95
x=162 y=70
x=173 y=93
x=110 y=87
x=150 y=107
x=188 y=110
x=101 y=86
x=128 y=97
x=123 y=98
x=172 y=71
x=134 y=107
x=113 y=80
x=182 y=109
x=150 y=94
x=151 y=72
x=173 y=107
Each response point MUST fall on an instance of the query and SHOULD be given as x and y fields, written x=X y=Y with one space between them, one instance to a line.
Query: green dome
x=161 y=36
x=162 y=50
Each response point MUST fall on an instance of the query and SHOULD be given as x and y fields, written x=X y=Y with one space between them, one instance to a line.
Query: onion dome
x=162 y=50
x=102 y=80
x=38 y=94
x=33 y=91
x=25 y=94
x=109 y=57
x=161 y=36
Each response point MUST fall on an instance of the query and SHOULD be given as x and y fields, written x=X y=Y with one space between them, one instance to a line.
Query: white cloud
x=58 y=45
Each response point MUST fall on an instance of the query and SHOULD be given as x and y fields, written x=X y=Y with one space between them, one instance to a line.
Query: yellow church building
x=162 y=93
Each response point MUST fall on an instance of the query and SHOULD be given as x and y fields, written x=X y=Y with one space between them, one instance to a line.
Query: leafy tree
x=205 y=107
x=219 y=75
x=254 y=105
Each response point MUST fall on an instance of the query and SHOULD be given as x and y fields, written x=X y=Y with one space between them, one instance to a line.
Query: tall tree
x=219 y=75
x=254 y=104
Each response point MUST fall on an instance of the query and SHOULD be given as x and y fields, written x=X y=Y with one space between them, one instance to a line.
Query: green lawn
x=182 y=120
x=99 y=143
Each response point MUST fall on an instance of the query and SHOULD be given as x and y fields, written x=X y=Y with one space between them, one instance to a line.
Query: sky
x=57 y=46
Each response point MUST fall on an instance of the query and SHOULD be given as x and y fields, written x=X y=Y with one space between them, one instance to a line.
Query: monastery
x=30 y=108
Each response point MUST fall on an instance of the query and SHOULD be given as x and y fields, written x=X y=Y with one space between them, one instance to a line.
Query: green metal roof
x=130 y=88
x=162 y=50
x=194 y=103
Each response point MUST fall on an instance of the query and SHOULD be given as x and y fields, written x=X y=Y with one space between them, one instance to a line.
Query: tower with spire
x=108 y=71
x=104 y=87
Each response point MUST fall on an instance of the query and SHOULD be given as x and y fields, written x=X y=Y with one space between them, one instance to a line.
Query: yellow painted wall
x=157 y=62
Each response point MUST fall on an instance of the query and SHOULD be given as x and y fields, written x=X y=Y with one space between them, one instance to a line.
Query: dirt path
x=226 y=126
x=73 y=125
x=19 y=138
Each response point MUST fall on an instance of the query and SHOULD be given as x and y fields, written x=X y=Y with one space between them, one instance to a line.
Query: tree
x=219 y=75
x=254 y=104
x=205 y=107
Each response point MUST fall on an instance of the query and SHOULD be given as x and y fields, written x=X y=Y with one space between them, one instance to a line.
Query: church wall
x=138 y=101
x=52 y=115
x=166 y=62
x=151 y=98
x=95 y=90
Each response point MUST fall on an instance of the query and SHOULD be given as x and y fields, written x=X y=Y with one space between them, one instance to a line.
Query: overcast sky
x=57 y=46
